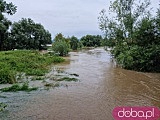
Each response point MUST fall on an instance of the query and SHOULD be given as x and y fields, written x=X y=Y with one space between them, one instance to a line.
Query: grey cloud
x=71 y=17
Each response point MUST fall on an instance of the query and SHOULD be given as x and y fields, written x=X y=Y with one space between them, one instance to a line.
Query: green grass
x=24 y=61
x=18 y=87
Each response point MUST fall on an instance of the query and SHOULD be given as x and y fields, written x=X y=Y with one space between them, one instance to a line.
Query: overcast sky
x=69 y=17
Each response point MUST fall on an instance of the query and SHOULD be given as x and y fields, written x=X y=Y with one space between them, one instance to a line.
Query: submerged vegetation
x=18 y=87
x=67 y=79
x=53 y=85
x=2 y=106
x=24 y=61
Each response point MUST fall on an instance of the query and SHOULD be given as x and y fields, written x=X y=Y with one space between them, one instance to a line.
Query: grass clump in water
x=24 y=61
x=68 y=79
x=37 y=78
x=2 y=106
x=52 y=85
x=18 y=87
x=74 y=74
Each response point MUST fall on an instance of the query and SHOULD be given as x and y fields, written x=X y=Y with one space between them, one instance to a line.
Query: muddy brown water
x=101 y=87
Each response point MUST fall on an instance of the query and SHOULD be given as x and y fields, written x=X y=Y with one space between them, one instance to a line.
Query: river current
x=101 y=87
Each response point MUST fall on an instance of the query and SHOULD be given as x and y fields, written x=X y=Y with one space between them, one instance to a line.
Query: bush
x=61 y=48
x=141 y=59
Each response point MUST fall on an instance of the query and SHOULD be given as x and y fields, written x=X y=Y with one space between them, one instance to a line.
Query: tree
x=60 y=48
x=61 y=45
x=26 y=34
x=146 y=33
x=10 y=9
x=74 y=43
x=127 y=14
x=157 y=21
x=59 y=37
x=135 y=34
x=91 y=40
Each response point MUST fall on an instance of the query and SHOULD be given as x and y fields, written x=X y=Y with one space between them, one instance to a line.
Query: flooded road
x=100 y=88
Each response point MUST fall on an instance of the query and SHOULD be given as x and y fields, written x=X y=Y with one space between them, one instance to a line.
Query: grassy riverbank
x=15 y=63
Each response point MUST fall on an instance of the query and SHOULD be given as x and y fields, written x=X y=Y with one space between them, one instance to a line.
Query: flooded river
x=101 y=87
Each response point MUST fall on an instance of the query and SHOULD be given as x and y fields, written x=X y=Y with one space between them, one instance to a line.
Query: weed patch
x=18 y=87
x=24 y=61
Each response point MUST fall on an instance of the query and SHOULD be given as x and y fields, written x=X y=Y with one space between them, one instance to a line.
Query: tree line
x=62 y=45
x=133 y=33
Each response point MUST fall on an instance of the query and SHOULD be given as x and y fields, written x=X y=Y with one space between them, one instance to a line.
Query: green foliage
x=26 y=34
x=91 y=40
x=7 y=75
x=127 y=14
x=74 y=43
x=143 y=54
x=80 y=45
x=59 y=37
x=108 y=42
x=60 y=48
x=141 y=59
x=61 y=45
x=133 y=34
x=10 y=9
x=147 y=33
x=18 y=87
x=29 y=62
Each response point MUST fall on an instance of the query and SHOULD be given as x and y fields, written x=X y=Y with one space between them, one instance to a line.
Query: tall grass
x=25 y=61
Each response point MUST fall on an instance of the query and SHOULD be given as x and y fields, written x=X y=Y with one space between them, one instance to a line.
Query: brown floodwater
x=101 y=87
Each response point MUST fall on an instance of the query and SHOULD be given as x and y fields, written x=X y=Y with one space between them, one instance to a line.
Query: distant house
x=49 y=45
